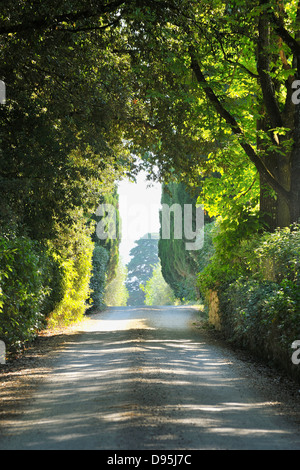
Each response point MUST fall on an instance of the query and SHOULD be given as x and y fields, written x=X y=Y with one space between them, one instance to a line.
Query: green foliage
x=73 y=250
x=157 y=291
x=106 y=253
x=111 y=244
x=262 y=316
x=67 y=94
x=230 y=188
x=140 y=267
x=61 y=149
x=217 y=99
x=204 y=255
x=116 y=293
x=232 y=256
x=258 y=284
x=179 y=265
x=26 y=273
x=272 y=256
x=278 y=254
x=100 y=262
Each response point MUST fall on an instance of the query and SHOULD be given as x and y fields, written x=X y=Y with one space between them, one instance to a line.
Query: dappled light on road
x=126 y=383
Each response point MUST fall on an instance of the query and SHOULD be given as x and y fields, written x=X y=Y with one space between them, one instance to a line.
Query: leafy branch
x=236 y=129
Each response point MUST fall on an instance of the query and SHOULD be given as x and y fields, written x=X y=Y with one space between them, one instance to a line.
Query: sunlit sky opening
x=139 y=205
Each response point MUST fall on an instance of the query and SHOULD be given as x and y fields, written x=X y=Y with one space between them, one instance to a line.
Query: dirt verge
x=20 y=377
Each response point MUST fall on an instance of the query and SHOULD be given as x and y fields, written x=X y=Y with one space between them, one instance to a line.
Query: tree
x=140 y=267
x=201 y=71
x=61 y=148
x=116 y=293
x=67 y=92
x=100 y=262
x=190 y=73
x=111 y=241
x=178 y=265
x=157 y=291
x=106 y=251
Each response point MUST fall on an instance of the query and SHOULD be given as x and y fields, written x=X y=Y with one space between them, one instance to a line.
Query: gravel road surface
x=146 y=378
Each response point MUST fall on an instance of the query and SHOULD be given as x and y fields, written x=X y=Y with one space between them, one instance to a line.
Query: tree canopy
x=67 y=91
x=216 y=81
x=195 y=88
x=205 y=93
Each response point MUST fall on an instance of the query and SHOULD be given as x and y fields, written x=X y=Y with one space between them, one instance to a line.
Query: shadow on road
x=146 y=386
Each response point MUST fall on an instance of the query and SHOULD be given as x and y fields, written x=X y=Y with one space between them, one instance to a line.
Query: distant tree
x=179 y=265
x=140 y=267
x=112 y=242
x=157 y=291
x=100 y=261
x=116 y=293
x=106 y=253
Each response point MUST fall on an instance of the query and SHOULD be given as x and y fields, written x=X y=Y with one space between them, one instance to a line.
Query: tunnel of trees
x=206 y=95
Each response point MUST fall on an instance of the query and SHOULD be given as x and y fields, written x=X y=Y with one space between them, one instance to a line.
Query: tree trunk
x=268 y=205
x=282 y=211
x=279 y=173
x=294 y=203
x=284 y=168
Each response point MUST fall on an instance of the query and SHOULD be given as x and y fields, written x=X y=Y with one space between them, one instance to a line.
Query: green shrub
x=25 y=284
x=116 y=293
x=262 y=316
x=271 y=256
x=48 y=286
x=278 y=254
x=258 y=284
x=72 y=250
x=98 y=279
x=157 y=291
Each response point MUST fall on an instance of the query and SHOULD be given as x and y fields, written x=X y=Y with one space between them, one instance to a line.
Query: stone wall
x=214 y=309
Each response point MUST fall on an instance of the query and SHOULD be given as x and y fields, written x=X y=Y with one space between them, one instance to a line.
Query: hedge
x=258 y=287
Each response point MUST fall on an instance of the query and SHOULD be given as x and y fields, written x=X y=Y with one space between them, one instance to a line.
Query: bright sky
x=139 y=207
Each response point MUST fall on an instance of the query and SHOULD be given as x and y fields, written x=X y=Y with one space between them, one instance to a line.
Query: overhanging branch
x=284 y=34
x=236 y=129
x=263 y=68
x=53 y=22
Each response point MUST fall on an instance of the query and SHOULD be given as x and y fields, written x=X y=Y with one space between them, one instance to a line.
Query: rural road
x=144 y=378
